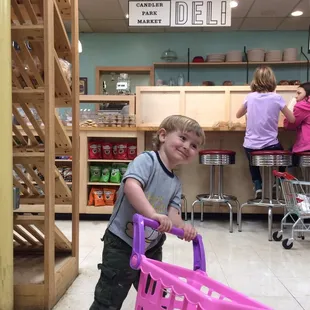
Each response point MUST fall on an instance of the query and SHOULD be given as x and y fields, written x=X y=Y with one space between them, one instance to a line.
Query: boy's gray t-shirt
x=162 y=189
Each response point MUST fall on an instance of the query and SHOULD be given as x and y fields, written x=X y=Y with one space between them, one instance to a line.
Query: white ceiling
x=109 y=16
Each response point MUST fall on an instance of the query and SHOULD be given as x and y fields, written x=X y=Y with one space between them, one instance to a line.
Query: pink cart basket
x=165 y=286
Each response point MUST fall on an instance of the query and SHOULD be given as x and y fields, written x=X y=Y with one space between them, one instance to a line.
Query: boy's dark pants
x=116 y=275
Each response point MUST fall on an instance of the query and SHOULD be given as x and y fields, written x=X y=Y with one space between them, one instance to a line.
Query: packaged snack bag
x=94 y=150
x=122 y=151
x=115 y=150
x=107 y=150
x=105 y=173
x=131 y=151
x=95 y=172
x=109 y=196
x=91 y=200
x=122 y=168
x=67 y=174
x=99 y=198
x=115 y=174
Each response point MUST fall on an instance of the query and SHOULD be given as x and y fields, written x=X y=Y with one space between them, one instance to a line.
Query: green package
x=122 y=168
x=115 y=174
x=95 y=172
x=105 y=173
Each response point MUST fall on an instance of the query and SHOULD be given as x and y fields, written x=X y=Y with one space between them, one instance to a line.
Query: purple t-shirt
x=263 y=110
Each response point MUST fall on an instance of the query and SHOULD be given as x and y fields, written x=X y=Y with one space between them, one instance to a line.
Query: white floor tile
x=245 y=261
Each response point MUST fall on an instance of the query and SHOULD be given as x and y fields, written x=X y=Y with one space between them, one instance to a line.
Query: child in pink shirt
x=302 y=119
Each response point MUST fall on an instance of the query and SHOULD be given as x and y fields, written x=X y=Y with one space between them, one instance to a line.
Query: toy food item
x=95 y=172
x=114 y=150
x=115 y=174
x=91 y=196
x=131 y=151
x=105 y=173
x=94 y=150
x=107 y=150
x=67 y=174
x=109 y=196
x=121 y=151
x=99 y=198
x=122 y=168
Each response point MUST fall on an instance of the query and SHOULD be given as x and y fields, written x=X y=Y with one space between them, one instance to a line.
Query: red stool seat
x=216 y=152
x=302 y=154
x=270 y=152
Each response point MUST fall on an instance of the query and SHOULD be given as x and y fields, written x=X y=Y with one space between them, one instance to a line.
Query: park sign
x=174 y=13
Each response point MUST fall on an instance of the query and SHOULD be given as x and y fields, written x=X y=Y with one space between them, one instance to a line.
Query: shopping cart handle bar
x=138 y=248
x=284 y=175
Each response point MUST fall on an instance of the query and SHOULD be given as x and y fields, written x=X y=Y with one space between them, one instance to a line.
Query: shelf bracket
x=247 y=64
x=302 y=52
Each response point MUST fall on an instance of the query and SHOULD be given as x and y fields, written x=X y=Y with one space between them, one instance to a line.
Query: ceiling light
x=233 y=4
x=297 y=13
x=127 y=15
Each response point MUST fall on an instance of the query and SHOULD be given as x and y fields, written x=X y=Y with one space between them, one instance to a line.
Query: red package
x=131 y=151
x=107 y=150
x=115 y=151
x=122 y=151
x=94 y=150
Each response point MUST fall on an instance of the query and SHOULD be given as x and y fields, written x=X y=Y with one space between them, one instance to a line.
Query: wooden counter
x=206 y=104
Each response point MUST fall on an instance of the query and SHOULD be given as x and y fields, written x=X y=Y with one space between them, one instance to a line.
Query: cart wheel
x=303 y=237
x=277 y=236
x=287 y=244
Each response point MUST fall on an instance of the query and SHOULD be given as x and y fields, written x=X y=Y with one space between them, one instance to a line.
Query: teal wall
x=141 y=49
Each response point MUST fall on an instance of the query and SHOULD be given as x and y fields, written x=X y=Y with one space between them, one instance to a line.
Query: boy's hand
x=164 y=221
x=189 y=232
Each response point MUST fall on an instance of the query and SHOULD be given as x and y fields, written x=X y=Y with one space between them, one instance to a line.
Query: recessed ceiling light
x=127 y=15
x=233 y=4
x=297 y=13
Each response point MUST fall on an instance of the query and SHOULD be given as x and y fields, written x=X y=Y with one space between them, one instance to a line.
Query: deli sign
x=174 y=13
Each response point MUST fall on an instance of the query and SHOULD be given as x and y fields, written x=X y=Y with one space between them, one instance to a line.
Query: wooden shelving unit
x=45 y=260
x=224 y=64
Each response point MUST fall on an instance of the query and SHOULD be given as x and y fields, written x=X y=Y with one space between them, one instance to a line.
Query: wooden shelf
x=224 y=64
x=27 y=32
x=103 y=184
x=63 y=160
x=99 y=210
x=106 y=98
x=108 y=161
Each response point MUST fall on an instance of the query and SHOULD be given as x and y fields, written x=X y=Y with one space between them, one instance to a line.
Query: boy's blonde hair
x=264 y=80
x=178 y=122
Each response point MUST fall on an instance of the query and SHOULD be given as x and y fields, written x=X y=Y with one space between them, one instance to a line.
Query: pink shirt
x=263 y=110
x=302 y=126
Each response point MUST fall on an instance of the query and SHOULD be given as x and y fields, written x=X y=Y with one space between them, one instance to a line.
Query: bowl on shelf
x=169 y=55
x=234 y=56
x=274 y=56
x=290 y=54
x=256 y=55
x=215 y=58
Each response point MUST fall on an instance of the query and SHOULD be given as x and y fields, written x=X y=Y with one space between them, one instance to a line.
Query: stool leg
x=212 y=172
x=231 y=229
x=220 y=182
x=201 y=211
x=185 y=208
x=270 y=183
x=264 y=184
x=238 y=211
x=270 y=223
x=240 y=217
x=192 y=211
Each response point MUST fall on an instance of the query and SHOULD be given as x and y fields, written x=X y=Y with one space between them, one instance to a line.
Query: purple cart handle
x=138 y=248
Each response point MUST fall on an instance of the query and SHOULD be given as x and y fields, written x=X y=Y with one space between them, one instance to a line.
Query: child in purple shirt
x=263 y=107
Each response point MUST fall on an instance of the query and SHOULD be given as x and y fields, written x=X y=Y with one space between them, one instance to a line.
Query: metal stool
x=185 y=206
x=304 y=164
x=215 y=158
x=267 y=160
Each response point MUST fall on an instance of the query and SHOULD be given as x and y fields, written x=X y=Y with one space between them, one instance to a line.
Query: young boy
x=150 y=188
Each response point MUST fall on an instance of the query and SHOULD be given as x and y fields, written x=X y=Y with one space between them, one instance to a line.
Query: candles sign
x=175 y=13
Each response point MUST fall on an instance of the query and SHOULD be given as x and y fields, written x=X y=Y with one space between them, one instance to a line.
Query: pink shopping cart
x=165 y=286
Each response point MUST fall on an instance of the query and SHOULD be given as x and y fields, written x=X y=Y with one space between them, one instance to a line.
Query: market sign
x=174 y=13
